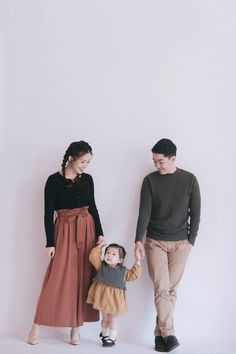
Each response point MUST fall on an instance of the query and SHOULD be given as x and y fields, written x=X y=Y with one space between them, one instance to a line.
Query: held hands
x=101 y=241
x=137 y=257
x=139 y=249
x=139 y=252
x=50 y=252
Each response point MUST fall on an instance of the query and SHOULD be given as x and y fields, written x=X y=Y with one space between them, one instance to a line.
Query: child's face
x=112 y=257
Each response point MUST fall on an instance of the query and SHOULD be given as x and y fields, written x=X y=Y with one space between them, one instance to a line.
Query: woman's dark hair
x=75 y=150
x=165 y=147
x=121 y=250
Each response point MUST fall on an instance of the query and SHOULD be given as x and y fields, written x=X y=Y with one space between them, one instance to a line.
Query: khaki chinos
x=166 y=262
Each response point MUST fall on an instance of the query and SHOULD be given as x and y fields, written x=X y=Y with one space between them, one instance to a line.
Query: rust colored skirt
x=62 y=302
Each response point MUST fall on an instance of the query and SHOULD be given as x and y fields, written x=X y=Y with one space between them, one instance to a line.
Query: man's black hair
x=165 y=147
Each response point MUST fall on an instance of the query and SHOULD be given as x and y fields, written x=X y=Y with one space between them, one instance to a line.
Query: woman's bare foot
x=74 y=336
x=33 y=334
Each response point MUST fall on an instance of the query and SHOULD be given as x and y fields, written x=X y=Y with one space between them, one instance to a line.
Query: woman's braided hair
x=75 y=150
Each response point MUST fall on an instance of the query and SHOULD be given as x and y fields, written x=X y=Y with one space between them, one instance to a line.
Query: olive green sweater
x=169 y=207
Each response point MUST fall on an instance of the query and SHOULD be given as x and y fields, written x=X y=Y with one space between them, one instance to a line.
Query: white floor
x=88 y=346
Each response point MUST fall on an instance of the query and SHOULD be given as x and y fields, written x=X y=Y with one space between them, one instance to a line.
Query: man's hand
x=139 y=249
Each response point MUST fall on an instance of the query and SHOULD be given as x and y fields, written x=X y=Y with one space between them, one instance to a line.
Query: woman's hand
x=50 y=252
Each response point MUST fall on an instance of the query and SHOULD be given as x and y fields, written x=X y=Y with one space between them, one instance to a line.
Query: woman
x=77 y=228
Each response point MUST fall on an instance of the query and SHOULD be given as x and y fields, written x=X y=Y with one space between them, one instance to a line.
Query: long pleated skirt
x=62 y=302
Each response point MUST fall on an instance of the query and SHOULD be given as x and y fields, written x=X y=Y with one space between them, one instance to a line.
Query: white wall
x=121 y=75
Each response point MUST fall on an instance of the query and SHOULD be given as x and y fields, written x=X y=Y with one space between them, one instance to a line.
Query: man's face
x=164 y=164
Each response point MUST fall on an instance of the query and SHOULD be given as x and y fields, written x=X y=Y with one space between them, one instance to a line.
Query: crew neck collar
x=170 y=174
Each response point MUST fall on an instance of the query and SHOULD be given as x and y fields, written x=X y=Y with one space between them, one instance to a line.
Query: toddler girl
x=108 y=291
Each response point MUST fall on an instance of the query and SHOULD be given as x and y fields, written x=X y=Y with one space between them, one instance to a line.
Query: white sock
x=105 y=331
x=112 y=334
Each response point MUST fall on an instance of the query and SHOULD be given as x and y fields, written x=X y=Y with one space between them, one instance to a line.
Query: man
x=169 y=214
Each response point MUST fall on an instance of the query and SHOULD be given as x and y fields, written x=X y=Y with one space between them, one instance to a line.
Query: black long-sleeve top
x=169 y=207
x=62 y=193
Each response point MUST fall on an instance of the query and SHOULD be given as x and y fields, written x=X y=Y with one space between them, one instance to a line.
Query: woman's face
x=81 y=163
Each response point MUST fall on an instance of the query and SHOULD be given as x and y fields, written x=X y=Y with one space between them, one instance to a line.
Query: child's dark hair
x=165 y=147
x=121 y=250
x=75 y=150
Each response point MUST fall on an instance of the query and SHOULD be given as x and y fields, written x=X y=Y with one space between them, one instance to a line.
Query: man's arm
x=145 y=208
x=194 y=212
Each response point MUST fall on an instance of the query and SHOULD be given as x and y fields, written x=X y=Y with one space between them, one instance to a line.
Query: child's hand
x=103 y=244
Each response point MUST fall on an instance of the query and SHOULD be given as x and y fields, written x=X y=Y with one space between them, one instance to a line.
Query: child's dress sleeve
x=133 y=273
x=95 y=257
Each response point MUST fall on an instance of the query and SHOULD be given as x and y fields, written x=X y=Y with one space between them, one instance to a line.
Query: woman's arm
x=93 y=208
x=49 y=206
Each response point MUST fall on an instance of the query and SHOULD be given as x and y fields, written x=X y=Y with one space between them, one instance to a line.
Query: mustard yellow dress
x=105 y=297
